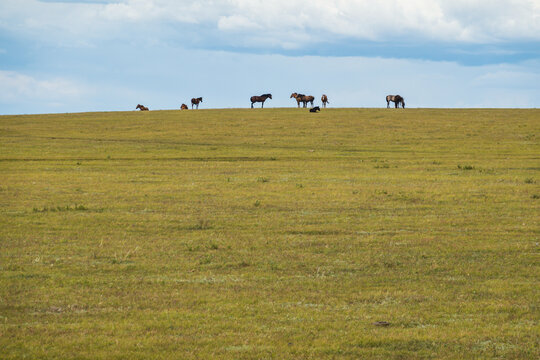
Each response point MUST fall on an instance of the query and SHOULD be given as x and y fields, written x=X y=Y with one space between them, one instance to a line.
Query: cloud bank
x=288 y=23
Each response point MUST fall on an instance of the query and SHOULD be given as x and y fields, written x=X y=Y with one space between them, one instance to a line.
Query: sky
x=110 y=55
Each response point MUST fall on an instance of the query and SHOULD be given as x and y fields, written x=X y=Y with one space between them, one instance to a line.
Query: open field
x=270 y=234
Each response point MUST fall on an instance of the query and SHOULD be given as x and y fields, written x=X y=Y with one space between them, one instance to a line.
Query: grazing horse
x=396 y=99
x=196 y=101
x=297 y=97
x=315 y=109
x=141 y=107
x=324 y=100
x=260 y=99
x=183 y=107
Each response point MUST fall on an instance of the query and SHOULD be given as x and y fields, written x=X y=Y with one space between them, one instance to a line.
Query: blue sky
x=99 y=55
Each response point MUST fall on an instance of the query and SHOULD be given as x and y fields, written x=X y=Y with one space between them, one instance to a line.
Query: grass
x=270 y=234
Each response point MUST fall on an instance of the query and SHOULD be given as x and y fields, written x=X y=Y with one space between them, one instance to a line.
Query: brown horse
x=297 y=97
x=308 y=99
x=141 y=107
x=324 y=100
x=260 y=99
x=196 y=101
x=396 y=99
x=304 y=99
x=183 y=107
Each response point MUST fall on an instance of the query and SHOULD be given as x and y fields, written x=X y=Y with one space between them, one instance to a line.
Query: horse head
x=293 y=95
x=399 y=100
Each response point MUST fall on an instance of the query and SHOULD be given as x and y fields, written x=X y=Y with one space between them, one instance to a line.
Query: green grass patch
x=270 y=234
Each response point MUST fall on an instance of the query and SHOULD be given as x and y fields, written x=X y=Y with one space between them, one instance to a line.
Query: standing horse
x=297 y=97
x=196 y=101
x=308 y=99
x=324 y=100
x=141 y=107
x=260 y=99
x=183 y=107
x=304 y=99
x=396 y=99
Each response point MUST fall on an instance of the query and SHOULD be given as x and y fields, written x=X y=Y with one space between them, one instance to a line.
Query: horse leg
x=262 y=104
x=252 y=105
x=387 y=104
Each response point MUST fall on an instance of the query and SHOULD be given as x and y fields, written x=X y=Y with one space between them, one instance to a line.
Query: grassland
x=270 y=234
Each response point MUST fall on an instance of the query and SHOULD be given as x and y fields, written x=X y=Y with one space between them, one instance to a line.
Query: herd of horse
x=300 y=98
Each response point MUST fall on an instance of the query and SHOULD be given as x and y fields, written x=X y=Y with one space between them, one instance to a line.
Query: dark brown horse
x=324 y=100
x=141 y=107
x=308 y=99
x=261 y=99
x=196 y=101
x=396 y=99
x=183 y=107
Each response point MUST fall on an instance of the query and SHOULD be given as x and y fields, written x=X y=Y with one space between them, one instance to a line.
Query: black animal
x=196 y=101
x=315 y=109
x=141 y=107
x=397 y=99
x=260 y=99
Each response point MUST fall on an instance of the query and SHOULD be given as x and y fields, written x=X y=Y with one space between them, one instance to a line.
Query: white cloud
x=17 y=87
x=278 y=21
x=236 y=22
